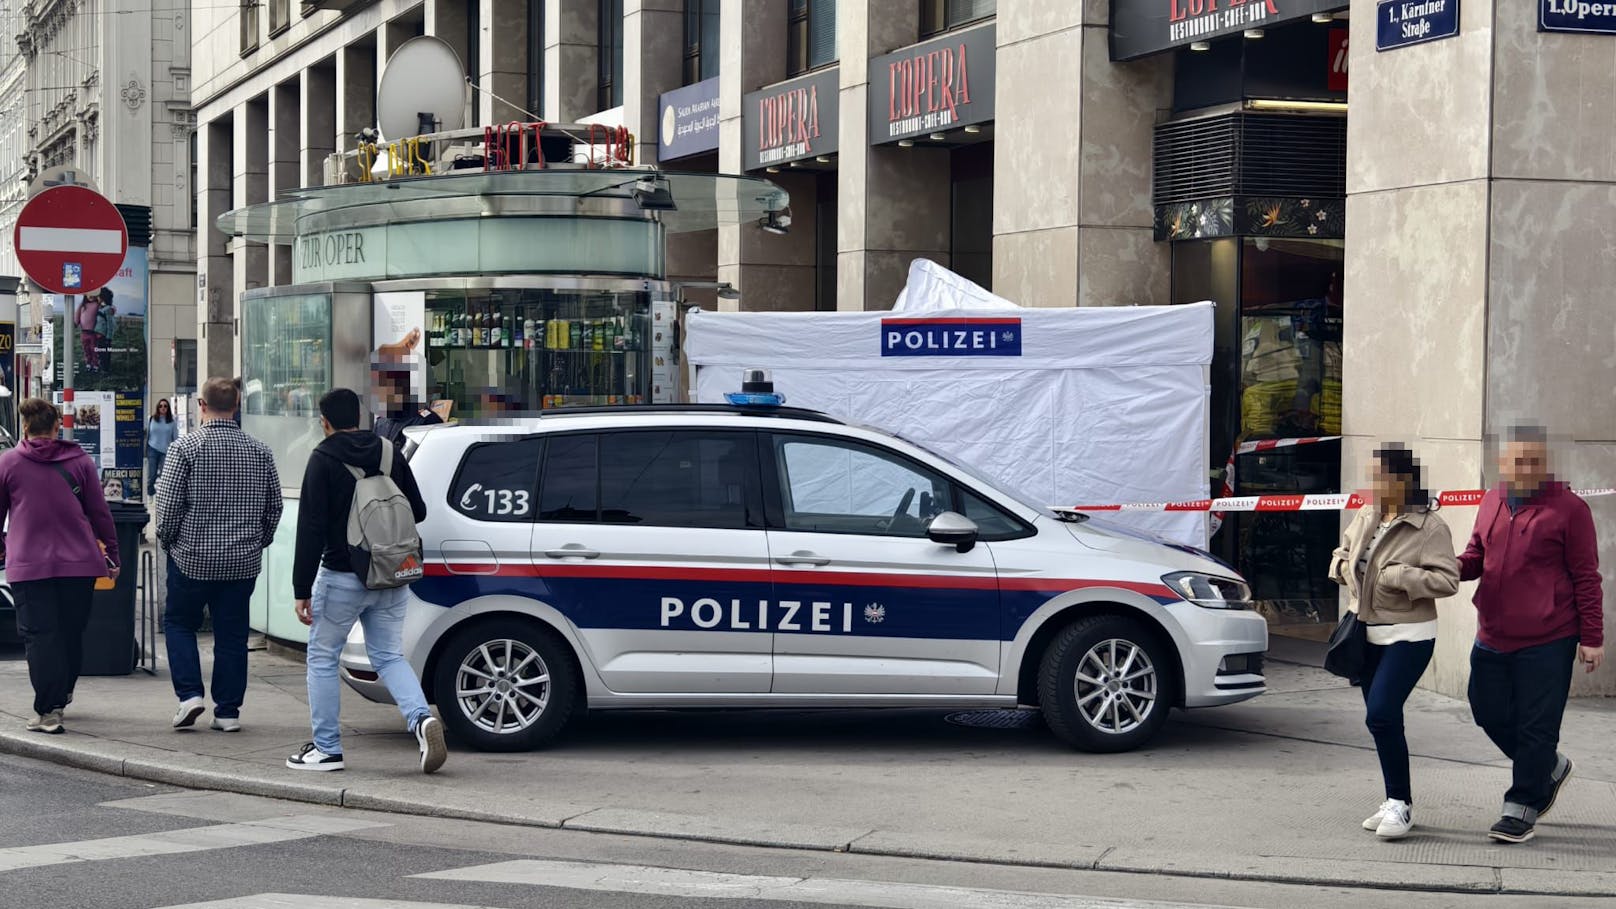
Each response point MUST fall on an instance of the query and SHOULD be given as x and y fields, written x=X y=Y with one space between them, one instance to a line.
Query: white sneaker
x=311 y=758
x=190 y=709
x=429 y=735
x=1397 y=822
x=1372 y=822
x=225 y=724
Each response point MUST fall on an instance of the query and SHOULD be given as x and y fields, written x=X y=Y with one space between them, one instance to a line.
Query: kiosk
x=522 y=272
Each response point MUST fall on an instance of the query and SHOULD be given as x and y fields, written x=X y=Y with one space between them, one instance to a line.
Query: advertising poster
x=398 y=328
x=12 y=394
x=104 y=331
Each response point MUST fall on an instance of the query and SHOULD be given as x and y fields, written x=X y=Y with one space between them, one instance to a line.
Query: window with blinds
x=811 y=36
x=611 y=54
x=701 y=40
x=941 y=15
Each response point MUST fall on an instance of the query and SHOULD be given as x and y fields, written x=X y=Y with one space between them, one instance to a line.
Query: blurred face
x=1524 y=465
x=1389 y=489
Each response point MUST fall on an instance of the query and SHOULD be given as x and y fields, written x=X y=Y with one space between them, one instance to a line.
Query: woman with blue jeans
x=1395 y=560
x=160 y=432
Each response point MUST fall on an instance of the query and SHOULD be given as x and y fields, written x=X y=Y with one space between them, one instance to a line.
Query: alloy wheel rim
x=502 y=686
x=1116 y=686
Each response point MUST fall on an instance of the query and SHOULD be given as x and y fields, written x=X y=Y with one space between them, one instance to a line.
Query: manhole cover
x=995 y=719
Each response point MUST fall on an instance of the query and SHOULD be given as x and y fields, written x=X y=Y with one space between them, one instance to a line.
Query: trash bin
x=110 y=647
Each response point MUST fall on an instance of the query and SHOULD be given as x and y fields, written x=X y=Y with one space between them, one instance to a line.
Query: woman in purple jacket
x=60 y=526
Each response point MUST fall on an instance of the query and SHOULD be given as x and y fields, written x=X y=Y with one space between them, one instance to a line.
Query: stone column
x=1479 y=266
x=285 y=131
x=653 y=63
x=356 y=91
x=449 y=21
x=215 y=309
x=250 y=175
x=1072 y=219
x=502 y=61
x=318 y=133
x=571 y=58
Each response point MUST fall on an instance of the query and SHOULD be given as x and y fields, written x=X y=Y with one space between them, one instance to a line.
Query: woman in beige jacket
x=1396 y=560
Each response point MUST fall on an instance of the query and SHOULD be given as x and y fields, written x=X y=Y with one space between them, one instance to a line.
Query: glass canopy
x=702 y=201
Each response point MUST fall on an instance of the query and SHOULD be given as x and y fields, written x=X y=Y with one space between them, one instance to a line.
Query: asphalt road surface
x=76 y=840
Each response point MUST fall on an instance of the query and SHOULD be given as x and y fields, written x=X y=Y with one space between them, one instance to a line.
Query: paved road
x=77 y=840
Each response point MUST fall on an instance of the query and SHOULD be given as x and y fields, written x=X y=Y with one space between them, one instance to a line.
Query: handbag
x=1348 y=643
x=105 y=582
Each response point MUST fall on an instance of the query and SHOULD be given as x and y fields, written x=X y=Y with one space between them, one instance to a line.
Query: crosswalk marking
x=672 y=882
x=172 y=842
x=303 y=901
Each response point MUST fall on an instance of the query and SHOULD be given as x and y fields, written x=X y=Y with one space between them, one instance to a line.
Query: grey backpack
x=384 y=548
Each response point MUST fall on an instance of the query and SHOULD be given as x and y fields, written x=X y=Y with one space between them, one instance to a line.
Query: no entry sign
x=70 y=240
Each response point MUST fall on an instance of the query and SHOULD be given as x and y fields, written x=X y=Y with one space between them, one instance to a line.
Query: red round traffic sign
x=70 y=240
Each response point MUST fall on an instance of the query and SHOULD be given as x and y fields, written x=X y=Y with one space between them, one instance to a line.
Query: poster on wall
x=8 y=375
x=104 y=331
x=398 y=363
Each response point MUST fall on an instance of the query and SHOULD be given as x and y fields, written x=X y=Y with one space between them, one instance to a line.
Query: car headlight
x=1208 y=590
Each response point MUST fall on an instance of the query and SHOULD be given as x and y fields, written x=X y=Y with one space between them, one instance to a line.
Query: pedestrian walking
x=160 y=433
x=59 y=541
x=218 y=503
x=1539 y=608
x=333 y=591
x=1395 y=560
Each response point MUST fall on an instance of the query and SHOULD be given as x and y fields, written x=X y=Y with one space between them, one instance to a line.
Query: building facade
x=106 y=91
x=1408 y=231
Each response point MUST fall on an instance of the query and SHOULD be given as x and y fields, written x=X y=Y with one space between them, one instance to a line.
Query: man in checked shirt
x=218 y=502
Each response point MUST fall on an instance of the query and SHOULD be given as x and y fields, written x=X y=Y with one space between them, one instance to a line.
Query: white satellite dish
x=423 y=80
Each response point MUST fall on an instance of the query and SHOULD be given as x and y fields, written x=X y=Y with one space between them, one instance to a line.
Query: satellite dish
x=423 y=89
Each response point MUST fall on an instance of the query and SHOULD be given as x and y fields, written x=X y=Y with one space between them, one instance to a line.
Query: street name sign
x=1590 y=17
x=70 y=240
x=1403 y=23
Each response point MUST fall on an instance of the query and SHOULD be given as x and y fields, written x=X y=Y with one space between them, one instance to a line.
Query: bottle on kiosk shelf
x=529 y=331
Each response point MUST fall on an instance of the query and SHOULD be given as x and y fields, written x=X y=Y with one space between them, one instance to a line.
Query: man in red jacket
x=1538 y=608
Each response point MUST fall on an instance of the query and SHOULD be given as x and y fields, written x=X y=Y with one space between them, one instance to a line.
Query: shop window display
x=494 y=350
x=286 y=365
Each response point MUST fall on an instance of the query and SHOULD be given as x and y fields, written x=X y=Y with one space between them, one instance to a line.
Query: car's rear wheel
x=505 y=685
x=1106 y=684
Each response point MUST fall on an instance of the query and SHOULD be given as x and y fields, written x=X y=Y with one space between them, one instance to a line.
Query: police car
x=763 y=556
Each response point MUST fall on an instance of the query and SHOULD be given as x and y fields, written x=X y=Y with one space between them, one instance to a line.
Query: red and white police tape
x=1317 y=502
x=1248 y=448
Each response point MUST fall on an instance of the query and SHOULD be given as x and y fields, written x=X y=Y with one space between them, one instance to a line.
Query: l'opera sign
x=933 y=86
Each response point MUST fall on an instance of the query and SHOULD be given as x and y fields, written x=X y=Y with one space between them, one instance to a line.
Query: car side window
x=496 y=480
x=990 y=520
x=839 y=486
x=569 y=490
x=684 y=478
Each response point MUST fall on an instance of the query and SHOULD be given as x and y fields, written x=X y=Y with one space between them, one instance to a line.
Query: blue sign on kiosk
x=1402 y=23
x=1589 y=17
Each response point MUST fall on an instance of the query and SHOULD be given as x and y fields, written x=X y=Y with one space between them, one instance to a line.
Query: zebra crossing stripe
x=677 y=883
x=305 y=901
x=174 y=842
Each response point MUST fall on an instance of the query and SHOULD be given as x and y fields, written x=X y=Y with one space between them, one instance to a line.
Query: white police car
x=701 y=556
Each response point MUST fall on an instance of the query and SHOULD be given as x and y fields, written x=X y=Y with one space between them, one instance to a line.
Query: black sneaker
x=1554 y=789
x=312 y=758
x=1512 y=830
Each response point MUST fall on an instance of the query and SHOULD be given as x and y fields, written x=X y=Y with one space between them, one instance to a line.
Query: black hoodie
x=328 y=489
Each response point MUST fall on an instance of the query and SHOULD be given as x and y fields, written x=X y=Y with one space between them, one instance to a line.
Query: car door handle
x=802 y=557
x=572 y=551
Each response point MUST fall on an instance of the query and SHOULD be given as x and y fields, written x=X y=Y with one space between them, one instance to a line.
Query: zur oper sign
x=1143 y=27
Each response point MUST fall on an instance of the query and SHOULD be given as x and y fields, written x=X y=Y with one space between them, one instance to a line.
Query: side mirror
x=953 y=529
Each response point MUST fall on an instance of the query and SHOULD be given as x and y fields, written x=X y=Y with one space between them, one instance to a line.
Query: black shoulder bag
x=1348 y=649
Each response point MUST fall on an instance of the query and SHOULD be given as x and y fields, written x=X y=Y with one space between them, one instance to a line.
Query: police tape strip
x=1458 y=498
x=1271 y=444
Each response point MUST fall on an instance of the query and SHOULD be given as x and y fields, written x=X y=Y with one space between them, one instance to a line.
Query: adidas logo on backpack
x=383 y=545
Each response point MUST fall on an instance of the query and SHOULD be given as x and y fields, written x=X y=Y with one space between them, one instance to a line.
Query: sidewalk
x=1269 y=790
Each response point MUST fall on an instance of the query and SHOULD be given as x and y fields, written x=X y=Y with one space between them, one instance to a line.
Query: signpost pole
x=68 y=319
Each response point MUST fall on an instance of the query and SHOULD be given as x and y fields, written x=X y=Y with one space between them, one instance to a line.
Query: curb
x=1362 y=875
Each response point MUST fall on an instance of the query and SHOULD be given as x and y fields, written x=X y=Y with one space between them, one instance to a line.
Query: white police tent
x=1062 y=406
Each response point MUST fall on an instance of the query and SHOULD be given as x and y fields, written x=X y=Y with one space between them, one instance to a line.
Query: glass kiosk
x=504 y=291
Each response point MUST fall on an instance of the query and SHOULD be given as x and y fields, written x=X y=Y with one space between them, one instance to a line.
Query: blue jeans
x=1390 y=673
x=154 y=469
x=226 y=602
x=1518 y=699
x=340 y=600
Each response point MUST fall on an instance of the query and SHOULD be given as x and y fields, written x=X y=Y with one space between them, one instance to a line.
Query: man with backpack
x=357 y=550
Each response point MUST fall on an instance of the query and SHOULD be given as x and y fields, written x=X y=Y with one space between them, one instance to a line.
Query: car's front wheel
x=1106 y=684
x=505 y=685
